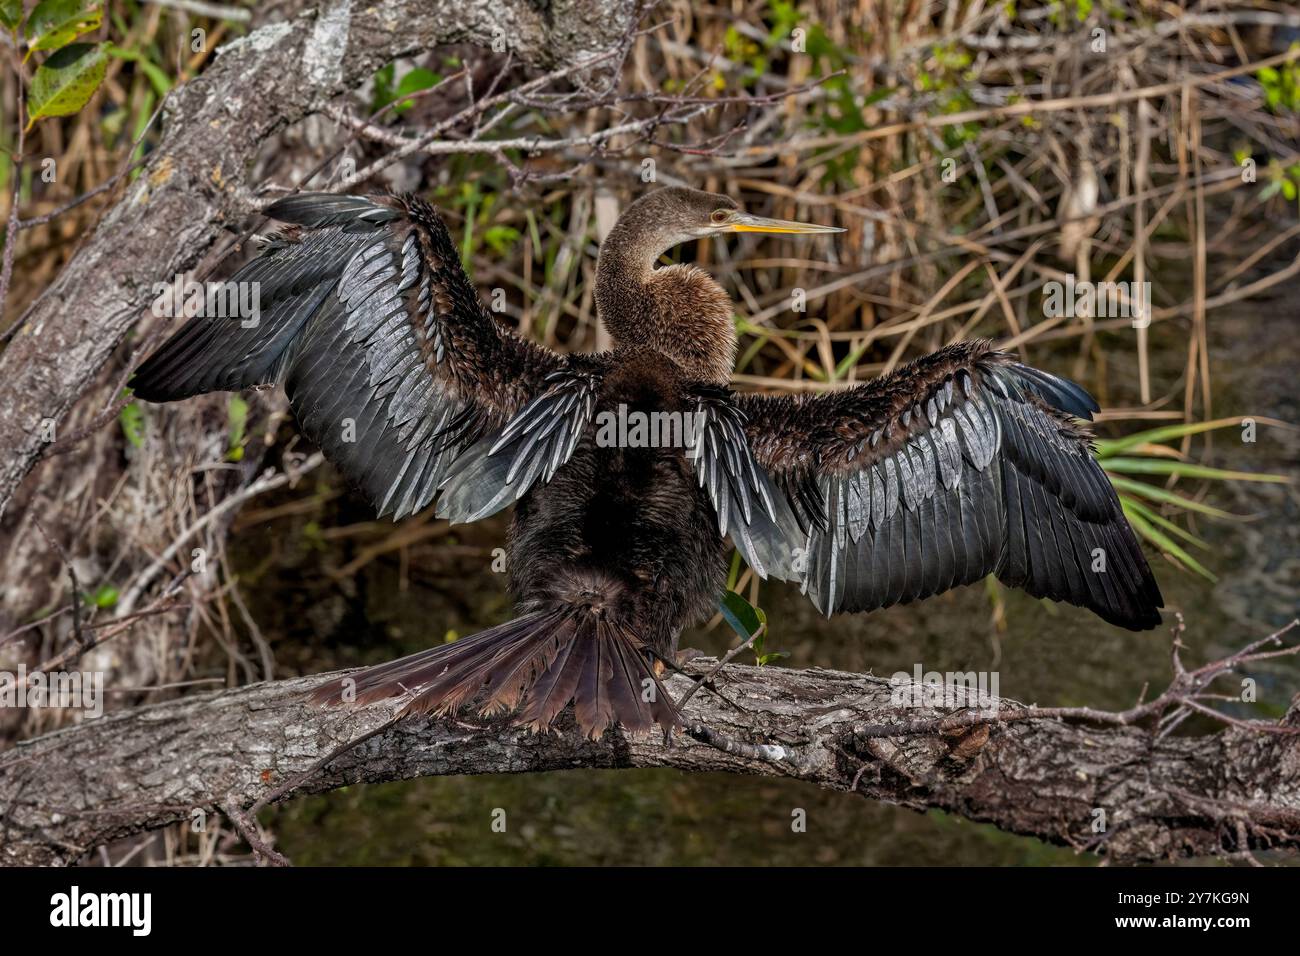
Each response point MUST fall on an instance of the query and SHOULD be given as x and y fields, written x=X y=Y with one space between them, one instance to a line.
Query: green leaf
x=56 y=23
x=104 y=597
x=500 y=238
x=414 y=81
x=65 y=81
x=743 y=617
x=11 y=14
x=237 y=415
x=132 y=420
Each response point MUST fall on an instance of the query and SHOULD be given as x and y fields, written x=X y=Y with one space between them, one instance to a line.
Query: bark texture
x=195 y=182
x=63 y=794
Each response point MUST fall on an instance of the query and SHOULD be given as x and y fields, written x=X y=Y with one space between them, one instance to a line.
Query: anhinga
x=962 y=464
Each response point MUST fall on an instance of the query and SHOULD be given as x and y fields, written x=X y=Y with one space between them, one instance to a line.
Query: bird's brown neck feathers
x=679 y=311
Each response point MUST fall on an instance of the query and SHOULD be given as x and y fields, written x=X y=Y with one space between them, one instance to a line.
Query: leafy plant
x=64 y=82
x=1057 y=11
x=478 y=207
x=500 y=238
x=844 y=112
x=1281 y=85
x=11 y=14
x=1281 y=179
x=741 y=49
x=948 y=78
x=748 y=621
x=762 y=657
x=412 y=81
x=1143 y=453
x=56 y=23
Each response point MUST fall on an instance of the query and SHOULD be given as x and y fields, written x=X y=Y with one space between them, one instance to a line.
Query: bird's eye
x=720 y=216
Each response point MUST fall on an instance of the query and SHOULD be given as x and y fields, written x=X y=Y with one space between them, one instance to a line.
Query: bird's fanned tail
x=535 y=665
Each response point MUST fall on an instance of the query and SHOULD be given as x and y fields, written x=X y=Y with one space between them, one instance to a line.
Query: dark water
x=1047 y=654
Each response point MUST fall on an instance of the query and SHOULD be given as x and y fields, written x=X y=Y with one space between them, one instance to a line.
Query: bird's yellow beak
x=743 y=222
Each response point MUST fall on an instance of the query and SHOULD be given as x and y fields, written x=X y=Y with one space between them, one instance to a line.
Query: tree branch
x=1159 y=796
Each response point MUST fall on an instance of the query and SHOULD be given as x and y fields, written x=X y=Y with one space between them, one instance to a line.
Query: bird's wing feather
x=365 y=315
x=962 y=464
x=540 y=438
x=748 y=505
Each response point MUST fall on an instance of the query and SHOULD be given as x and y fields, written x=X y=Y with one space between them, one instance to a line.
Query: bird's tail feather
x=535 y=665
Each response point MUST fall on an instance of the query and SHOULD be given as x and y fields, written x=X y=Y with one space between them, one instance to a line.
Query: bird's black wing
x=365 y=315
x=963 y=464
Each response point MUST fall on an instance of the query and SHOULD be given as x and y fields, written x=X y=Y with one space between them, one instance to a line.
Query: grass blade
x=1163 y=541
x=1163 y=522
x=1107 y=447
x=1186 y=469
x=1167 y=497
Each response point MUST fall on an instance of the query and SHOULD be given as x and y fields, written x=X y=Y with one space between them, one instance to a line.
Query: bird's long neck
x=678 y=311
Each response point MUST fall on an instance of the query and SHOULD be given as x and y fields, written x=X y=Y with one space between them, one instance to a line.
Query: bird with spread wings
x=963 y=464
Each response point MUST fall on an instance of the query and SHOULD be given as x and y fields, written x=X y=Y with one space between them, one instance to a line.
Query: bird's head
x=670 y=216
x=680 y=312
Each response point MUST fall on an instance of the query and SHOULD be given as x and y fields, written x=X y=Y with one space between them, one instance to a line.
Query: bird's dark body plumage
x=962 y=464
